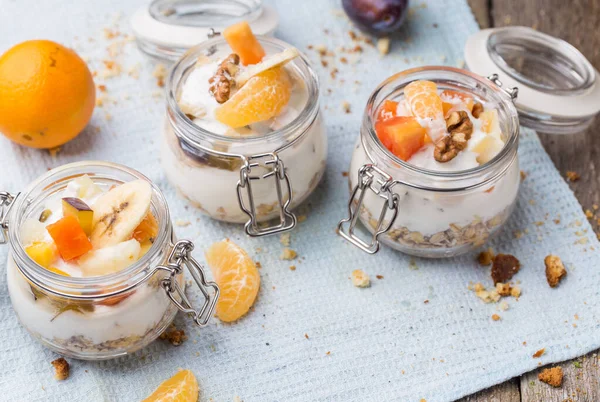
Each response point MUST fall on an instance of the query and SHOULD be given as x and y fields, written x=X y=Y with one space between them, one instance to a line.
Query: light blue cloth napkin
x=380 y=343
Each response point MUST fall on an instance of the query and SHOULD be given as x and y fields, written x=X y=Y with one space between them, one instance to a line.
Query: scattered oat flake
x=285 y=239
x=288 y=254
x=539 y=353
x=383 y=45
x=523 y=175
x=328 y=353
x=589 y=214
x=552 y=376
x=572 y=176
x=346 y=107
x=360 y=279
x=495 y=317
x=292 y=267
x=182 y=223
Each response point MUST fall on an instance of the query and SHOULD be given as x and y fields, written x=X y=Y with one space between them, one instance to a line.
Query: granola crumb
x=173 y=335
x=555 y=270
x=288 y=254
x=503 y=289
x=495 y=317
x=328 y=353
x=504 y=306
x=589 y=214
x=292 y=267
x=160 y=72
x=572 y=176
x=515 y=292
x=523 y=175
x=182 y=222
x=539 y=353
x=61 y=369
x=306 y=336
x=360 y=279
x=383 y=45
x=379 y=276
x=552 y=376
x=346 y=107
x=345 y=174
x=504 y=267
x=486 y=257
x=285 y=239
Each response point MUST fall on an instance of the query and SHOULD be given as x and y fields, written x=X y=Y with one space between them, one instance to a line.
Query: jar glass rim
x=195 y=134
x=403 y=78
x=65 y=285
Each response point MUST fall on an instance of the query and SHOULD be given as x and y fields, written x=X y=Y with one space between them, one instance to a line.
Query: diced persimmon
x=243 y=42
x=449 y=94
x=42 y=253
x=401 y=135
x=70 y=239
x=387 y=110
x=147 y=229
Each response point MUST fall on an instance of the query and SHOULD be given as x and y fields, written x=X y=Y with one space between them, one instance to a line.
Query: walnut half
x=460 y=128
x=222 y=82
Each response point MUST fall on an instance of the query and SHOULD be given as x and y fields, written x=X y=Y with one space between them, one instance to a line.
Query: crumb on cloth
x=360 y=279
x=552 y=376
x=61 y=369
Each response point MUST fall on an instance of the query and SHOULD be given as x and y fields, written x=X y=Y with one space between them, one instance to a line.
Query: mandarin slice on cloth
x=237 y=277
x=423 y=100
x=182 y=387
x=262 y=97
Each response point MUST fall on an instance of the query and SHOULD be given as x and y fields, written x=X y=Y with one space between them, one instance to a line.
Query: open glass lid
x=559 y=90
x=168 y=28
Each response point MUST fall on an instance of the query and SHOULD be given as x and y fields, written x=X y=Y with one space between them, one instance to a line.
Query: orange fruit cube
x=238 y=279
x=147 y=229
x=243 y=42
x=70 y=239
x=182 y=387
x=261 y=98
x=401 y=135
x=448 y=95
x=387 y=110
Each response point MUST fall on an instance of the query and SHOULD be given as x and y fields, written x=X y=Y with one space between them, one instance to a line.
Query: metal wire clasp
x=512 y=92
x=181 y=255
x=6 y=203
x=287 y=220
x=375 y=179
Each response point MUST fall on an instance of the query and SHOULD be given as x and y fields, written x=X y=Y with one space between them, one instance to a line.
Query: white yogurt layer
x=214 y=188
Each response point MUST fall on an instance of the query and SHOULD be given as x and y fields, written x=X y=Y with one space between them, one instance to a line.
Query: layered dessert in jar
x=243 y=103
x=449 y=156
x=78 y=247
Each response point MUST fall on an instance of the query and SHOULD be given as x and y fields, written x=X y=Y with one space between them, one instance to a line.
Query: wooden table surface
x=577 y=22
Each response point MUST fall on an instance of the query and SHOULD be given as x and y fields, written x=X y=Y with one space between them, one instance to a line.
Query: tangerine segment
x=387 y=110
x=182 y=387
x=423 y=100
x=237 y=277
x=261 y=98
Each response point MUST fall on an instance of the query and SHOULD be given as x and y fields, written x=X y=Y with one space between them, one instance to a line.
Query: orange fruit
x=261 y=98
x=243 y=42
x=182 y=387
x=402 y=135
x=423 y=100
x=387 y=110
x=47 y=94
x=449 y=95
x=237 y=277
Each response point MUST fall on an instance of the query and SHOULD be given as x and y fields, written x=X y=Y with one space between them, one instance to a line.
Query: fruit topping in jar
x=88 y=229
x=440 y=130
x=244 y=92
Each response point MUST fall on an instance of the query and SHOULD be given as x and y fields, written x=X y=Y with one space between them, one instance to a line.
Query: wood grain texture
x=578 y=23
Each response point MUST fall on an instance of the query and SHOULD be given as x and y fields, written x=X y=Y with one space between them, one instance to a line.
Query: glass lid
x=168 y=28
x=559 y=90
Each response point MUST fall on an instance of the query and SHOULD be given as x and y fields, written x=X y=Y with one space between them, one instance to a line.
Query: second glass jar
x=245 y=178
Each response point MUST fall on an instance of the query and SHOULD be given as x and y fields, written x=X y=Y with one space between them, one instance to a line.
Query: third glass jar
x=431 y=213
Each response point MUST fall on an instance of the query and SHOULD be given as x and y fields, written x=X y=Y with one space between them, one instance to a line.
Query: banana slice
x=118 y=212
x=110 y=259
x=268 y=63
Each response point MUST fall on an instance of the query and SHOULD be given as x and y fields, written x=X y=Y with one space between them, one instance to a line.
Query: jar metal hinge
x=370 y=177
x=512 y=92
x=181 y=255
x=287 y=220
x=6 y=203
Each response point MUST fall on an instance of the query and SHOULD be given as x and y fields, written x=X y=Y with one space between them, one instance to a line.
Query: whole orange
x=47 y=94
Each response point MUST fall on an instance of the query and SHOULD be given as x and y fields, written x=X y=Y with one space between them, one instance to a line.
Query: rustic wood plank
x=581 y=382
x=505 y=392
